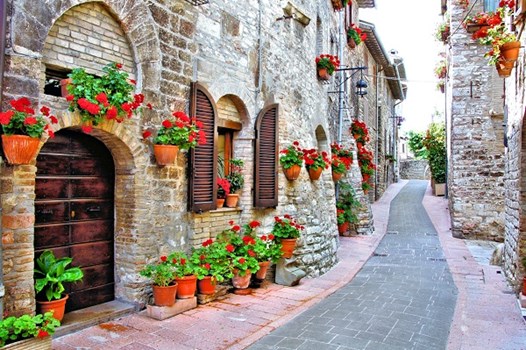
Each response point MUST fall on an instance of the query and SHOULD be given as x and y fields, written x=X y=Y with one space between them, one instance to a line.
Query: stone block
x=287 y=274
x=221 y=291
x=164 y=312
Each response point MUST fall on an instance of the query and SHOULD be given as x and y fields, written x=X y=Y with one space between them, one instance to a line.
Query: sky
x=413 y=37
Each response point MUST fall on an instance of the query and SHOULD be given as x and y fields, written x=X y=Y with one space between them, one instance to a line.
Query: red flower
x=163 y=258
x=174 y=261
x=30 y=121
x=230 y=248
x=149 y=106
x=133 y=82
x=271 y=237
x=146 y=134
x=70 y=98
x=111 y=113
x=42 y=334
x=236 y=228
x=118 y=65
x=44 y=110
x=183 y=261
x=167 y=124
x=87 y=128
x=207 y=266
x=254 y=224
x=102 y=98
x=231 y=222
x=241 y=260
x=202 y=257
x=251 y=253
x=5 y=117
x=263 y=238
x=53 y=119
x=207 y=242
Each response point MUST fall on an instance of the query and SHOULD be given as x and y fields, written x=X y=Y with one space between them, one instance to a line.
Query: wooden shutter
x=266 y=158
x=202 y=190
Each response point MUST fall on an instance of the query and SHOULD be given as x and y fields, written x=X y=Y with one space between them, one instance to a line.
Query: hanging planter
x=326 y=65
x=20 y=149
x=510 y=51
x=293 y=172
x=314 y=174
x=323 y=74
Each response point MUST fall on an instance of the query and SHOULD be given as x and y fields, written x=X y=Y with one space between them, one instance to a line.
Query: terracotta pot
x=231 y=200
x=263 y=268
x=503 y=71
x=293 y=172
x=164 y=296
x=442 y=88
x=165 y=154
x=315 y=174
x=241 y=282
x=186 y=287
x=20 y=149
x=336 y=176
x=220 y=202
x=342 y=228
x=287 y=247
x=64 y=87
x=351 y=42
x=57 y=306
x=206 y=286
x=510 y=51
x=472 y=28
x=323 y=74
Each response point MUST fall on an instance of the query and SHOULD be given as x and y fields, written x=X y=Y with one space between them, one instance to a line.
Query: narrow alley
x=410 y=285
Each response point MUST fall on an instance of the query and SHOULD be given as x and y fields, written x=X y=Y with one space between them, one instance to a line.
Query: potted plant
x=22 y=130
x=223 y=189
x=184 y=274
x=28 y=332
x=355 y=36
x=162 y=275
x=291 y=161
x=315 y=162
x=108 y=97
x=50 y=275
x=478 y=24
x=441 y=85
x=286 y=231
x=326 y=65
x=339 y=4
x=211 y=265
x=441 y=69
x=346 y=207
x=367 y=166
x=268 y=251
x=342 y=159
x=240 y=252
x=443 y=31
x=359 y=131
x=435 y=143
x=179 y=132
x=236 y=179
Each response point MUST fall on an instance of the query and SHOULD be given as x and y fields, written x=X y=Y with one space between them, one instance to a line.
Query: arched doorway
x=74 y=212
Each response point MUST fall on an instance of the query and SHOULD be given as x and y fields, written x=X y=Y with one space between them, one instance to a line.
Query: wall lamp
x=361 y=84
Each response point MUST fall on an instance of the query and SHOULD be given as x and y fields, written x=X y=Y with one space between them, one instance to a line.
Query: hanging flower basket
x=165 y=154
x=510 y=51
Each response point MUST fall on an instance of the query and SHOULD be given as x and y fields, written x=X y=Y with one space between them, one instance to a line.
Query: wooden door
x=74 y=212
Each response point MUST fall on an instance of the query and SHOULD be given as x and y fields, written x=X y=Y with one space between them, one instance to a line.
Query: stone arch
x=231 y=107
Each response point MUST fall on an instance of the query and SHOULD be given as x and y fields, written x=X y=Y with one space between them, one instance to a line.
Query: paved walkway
x=484 y=318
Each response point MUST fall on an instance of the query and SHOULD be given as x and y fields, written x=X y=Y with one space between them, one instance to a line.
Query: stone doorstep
x=93 y=315
x=163 y=312
x=220 y=293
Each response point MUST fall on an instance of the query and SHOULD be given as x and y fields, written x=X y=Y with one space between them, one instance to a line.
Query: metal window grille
x=197 y=2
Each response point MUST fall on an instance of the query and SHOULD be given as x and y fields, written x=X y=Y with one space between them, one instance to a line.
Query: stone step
x=93 y=315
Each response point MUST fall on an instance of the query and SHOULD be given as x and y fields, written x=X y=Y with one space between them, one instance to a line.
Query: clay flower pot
x=292 y=173
x=164 y=296
x=241 y=282
x=20 y=149
x=57 y=306
x=263 y=268
x=165 y=154
x=323 y=74
x=231 y=200
x=287 y=247
x=314 y=174
x=186 y=287
x=206 y=285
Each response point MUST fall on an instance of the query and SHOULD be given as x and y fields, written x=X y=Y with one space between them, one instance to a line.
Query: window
x=53 y=77
x=490 y=5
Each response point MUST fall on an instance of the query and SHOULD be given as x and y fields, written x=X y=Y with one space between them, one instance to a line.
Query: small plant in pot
x=291 y=161
x=211 y=265
x=237 y=181
x=162 y=275
x=223 y=189
x=50 y=275
x=184 y=274
x=286 y=231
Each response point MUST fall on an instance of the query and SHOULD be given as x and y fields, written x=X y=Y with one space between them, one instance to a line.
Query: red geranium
x=22 y=120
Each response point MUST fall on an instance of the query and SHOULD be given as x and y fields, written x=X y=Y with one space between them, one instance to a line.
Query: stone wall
x=416 y=169
x=476 y=153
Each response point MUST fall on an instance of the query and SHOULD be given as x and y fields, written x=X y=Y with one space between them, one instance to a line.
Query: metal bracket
x=198 y=2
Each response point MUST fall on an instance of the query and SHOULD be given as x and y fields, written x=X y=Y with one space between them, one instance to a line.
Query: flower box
x=30 y=344
x=472 y=28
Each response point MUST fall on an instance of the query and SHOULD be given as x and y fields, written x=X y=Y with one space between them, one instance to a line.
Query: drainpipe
x=3 y=16
x=258 y=72
x=341 y=78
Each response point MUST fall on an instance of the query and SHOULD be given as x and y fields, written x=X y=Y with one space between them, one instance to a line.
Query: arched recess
x=321 y=139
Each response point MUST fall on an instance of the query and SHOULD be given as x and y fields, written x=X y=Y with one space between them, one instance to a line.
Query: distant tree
x=416 y=144
x=435 y=142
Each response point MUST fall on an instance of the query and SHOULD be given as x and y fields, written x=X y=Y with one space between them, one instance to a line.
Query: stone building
x=486 y=133
x=474 y=116
x=248 y=71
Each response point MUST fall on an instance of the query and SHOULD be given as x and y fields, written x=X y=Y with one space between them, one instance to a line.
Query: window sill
x=225 y=210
